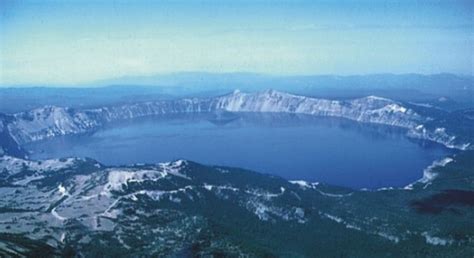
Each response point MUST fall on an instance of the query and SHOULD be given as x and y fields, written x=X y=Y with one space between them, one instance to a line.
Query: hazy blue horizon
x=124 y=80
x=72 y=42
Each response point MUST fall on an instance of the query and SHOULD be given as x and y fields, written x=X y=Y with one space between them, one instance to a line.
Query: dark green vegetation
x=186 y=209
x=445 y=201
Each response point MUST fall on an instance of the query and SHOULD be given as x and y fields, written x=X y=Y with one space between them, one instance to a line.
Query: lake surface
x=333 y=151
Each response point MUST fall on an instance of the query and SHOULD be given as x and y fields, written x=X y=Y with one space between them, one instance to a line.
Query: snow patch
x=432 y=240
x=117 y=179
x=56 y=215
x=62 y=190
x=304 y=184
x=428 y=174
x=387 y=236
x=333 y=218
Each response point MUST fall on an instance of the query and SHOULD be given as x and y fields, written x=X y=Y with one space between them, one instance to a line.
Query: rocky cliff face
x=438 y=135
x=53 y=121
x=368 y=110
x=8 y=145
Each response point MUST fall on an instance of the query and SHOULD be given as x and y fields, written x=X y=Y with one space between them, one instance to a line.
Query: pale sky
x=68 y=42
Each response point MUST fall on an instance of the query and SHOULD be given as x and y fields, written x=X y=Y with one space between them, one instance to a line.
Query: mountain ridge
x=51 y=121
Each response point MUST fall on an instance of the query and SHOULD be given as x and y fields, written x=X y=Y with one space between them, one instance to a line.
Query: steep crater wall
x=52 y=121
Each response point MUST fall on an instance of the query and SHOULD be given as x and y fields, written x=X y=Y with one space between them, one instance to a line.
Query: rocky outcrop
x=51 y=121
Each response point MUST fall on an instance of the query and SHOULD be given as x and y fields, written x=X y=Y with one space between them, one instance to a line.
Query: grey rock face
x=50 y=121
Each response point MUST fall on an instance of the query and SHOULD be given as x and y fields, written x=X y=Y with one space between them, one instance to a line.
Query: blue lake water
x=333 y=151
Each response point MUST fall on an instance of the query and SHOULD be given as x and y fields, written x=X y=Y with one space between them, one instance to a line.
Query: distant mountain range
x=447 y=91
x=254 y=81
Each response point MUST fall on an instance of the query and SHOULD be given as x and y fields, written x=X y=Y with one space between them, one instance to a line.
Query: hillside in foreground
x=79 y=206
